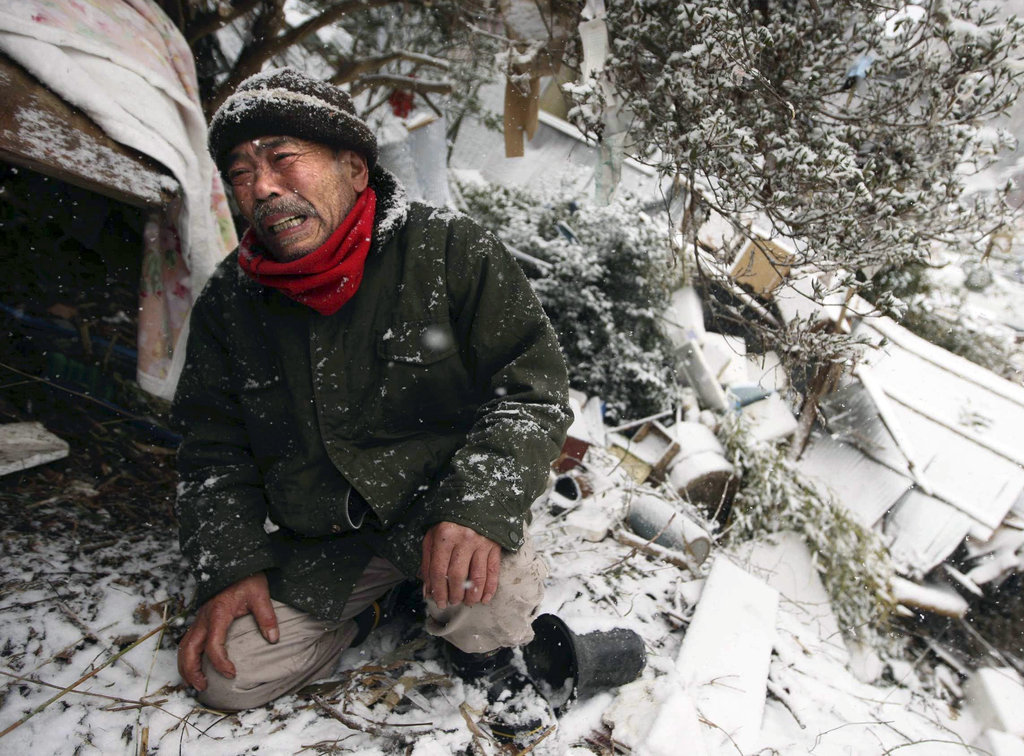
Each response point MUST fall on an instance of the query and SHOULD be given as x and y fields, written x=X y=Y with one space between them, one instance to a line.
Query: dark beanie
x=286 y=102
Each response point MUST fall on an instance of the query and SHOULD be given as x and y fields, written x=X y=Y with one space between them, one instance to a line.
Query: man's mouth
x=287 y=223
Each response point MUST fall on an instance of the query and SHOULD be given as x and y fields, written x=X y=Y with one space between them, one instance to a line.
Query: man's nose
x=265 y=183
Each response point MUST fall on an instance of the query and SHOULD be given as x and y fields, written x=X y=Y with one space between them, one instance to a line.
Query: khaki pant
x=309 y=648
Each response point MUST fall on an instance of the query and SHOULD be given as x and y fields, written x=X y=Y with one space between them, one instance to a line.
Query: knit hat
x=286 y=102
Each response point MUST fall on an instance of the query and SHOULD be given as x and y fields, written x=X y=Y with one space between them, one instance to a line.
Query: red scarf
x=326 y=278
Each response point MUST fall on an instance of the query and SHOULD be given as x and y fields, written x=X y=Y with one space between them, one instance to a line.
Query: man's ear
x=358 y=170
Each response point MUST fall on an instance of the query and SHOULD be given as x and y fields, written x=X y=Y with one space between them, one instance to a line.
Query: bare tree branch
x=402 y=82
x=209 y=22
x=351 y=70
x=259 y=51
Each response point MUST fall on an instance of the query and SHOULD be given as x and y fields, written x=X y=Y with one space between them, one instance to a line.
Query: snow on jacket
x=438 y=393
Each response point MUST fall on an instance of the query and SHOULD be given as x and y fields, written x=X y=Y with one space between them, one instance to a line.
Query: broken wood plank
x=928 y=598
x=42 y=132
x=25 y=445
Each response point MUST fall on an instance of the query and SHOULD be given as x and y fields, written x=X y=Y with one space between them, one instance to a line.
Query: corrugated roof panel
x=923 y=532
x=866 y=488
x=853 y=418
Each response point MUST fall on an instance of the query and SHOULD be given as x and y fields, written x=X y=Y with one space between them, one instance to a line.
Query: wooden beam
x=42 y=132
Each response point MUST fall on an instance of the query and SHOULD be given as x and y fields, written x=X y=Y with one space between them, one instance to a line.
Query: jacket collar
x=392 y=204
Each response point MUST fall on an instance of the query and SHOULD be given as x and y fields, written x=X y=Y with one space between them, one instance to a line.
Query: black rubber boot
x=516 y=712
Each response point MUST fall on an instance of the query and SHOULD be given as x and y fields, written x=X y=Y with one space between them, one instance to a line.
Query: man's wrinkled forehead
x=260 y=145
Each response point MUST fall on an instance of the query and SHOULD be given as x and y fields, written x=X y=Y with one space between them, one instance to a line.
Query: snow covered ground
x=72 y=601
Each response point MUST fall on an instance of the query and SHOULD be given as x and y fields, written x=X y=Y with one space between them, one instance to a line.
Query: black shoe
x=404 y=600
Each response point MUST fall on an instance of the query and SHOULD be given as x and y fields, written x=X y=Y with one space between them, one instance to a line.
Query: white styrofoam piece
x=996 y=697
x=934 y=598
x=1006 y=536
x=25 y=445
x=694 y=438
x=725 y=656
x=726 y=357
x=770 y=418
x=587 y=424
x=995 y=565
x=684 y=317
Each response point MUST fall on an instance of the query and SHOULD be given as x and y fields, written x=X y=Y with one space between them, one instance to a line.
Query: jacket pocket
x=418 y=342
x=424 y=383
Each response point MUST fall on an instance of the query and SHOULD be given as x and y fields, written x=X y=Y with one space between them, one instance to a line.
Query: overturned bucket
x=570 y=667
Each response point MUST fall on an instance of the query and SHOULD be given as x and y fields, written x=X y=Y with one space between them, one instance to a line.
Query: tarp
x=129 y=69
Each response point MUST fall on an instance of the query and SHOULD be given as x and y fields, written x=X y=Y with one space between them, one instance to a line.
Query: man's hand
x=209 y=631
x=459 y=566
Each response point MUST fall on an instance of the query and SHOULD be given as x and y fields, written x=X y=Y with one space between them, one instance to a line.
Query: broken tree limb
x=676 y=558
x=349 y=722
x=351 y=70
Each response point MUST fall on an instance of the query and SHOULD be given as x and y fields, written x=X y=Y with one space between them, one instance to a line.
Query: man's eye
x=283 y=158
x=239 y=177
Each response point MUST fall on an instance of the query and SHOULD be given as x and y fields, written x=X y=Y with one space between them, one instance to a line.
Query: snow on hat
x=286 y=102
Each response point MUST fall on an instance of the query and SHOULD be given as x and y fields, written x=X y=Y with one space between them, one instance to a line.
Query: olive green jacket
x=438 y=393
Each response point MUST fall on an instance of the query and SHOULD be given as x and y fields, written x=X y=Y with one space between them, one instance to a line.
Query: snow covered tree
x=603 y=275
x=849 y=128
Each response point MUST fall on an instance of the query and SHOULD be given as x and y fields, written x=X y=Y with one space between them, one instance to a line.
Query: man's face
x=294 y=193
